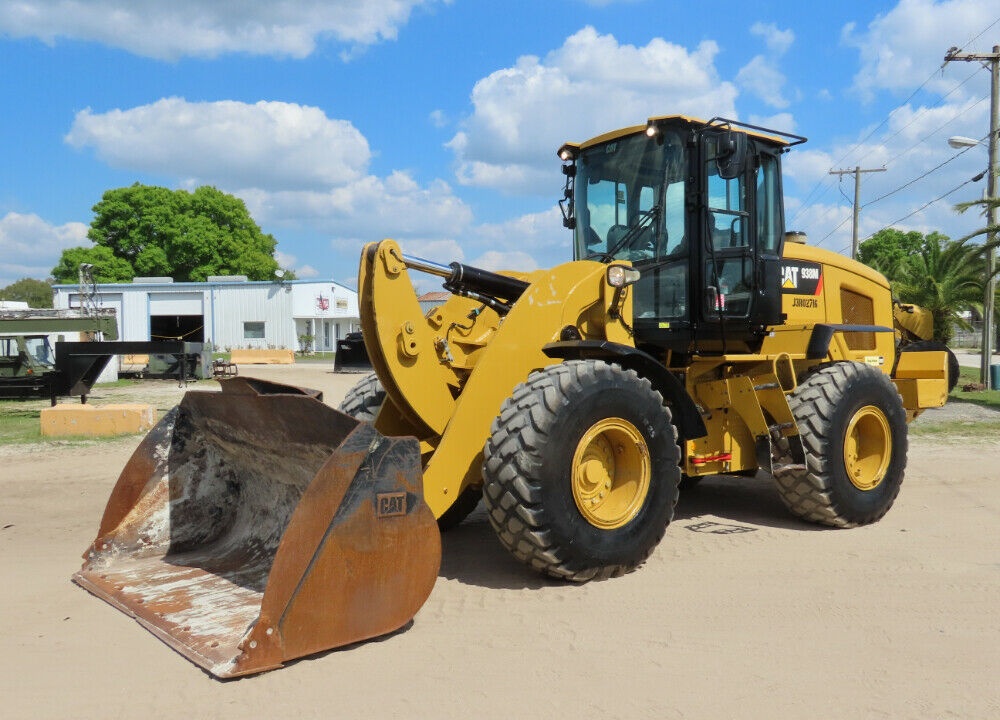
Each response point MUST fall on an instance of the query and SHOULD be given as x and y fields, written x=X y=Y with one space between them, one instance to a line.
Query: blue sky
x=436 y=122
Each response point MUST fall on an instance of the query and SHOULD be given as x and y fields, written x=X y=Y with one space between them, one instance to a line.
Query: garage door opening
x=185 y=328
x=189 y=328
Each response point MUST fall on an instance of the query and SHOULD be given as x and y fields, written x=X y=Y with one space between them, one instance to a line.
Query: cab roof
x=772 y=137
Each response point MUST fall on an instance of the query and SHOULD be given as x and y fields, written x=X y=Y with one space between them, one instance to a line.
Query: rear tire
x=853 y=427
x=581 y=471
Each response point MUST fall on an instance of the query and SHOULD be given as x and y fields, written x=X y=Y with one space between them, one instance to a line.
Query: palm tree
x=944 y=277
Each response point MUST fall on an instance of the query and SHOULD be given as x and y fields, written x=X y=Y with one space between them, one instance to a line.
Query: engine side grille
x=857 y=309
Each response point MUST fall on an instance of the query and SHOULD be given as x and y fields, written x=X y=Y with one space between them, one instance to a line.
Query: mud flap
x=260 y=525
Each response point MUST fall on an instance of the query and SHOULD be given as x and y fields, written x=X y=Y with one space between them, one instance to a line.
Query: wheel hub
x=611 y=473
x=867 y=448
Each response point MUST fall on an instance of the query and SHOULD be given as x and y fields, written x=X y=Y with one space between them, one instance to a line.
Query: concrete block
x=97 y=420
x=262 y=356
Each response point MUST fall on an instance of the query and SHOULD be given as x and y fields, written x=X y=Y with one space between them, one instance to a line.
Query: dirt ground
x=742 y=611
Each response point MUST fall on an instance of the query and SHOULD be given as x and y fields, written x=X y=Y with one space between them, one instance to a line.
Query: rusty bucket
x=258 y=525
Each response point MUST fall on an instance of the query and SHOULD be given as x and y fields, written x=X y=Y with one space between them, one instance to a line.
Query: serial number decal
x=805 y=302
x=390 y=504
x=801 y=278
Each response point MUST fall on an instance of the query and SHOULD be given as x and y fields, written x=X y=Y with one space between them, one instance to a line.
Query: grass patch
x=985 y=398
x=962 y=430
x=19 y=424
x=316 y=357
x=120 y=383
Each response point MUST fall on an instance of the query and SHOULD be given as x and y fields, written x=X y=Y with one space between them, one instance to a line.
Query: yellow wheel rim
x=867 y=448
x=611 y=473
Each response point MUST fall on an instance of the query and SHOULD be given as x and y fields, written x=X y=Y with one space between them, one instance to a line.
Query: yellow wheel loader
x=692 y=335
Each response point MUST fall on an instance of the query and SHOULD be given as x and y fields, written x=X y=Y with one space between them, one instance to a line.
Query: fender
x=686 y=415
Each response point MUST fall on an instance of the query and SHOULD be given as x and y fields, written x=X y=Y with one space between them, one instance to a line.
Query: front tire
x=363 y=401
x=853 y=428
x=581 y=471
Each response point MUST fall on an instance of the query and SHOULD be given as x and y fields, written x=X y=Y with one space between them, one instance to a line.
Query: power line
x=808 y=201
x=982 y=32
x=925 y=110
x=976 y=178
x=953 y=118
x=916 y=179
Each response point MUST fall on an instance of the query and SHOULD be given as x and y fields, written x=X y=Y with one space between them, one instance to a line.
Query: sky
x=436 y=122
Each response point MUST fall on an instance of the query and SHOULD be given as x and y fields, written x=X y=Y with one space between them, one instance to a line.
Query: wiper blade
x=646 y=219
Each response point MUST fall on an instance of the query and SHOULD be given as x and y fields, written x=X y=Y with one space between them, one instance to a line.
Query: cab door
x=741 y=231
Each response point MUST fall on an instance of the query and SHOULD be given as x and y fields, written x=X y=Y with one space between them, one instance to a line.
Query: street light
x=960 y=141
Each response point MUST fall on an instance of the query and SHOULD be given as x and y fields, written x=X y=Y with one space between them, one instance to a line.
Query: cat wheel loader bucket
x=258 y=525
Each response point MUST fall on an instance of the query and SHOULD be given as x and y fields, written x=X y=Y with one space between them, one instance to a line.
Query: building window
x=253 y=330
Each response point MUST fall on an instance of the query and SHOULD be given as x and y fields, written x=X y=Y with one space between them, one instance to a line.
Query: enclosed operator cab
x=696 y=207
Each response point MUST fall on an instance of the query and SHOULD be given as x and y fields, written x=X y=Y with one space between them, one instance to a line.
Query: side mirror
x=732 y=155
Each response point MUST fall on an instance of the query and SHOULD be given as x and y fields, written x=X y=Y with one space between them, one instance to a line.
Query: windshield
x=34 y=350
x=40 y=350
x=630 y=198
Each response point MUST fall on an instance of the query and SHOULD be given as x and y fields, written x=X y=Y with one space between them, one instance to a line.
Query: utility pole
x=857 y=194
x=992 y=62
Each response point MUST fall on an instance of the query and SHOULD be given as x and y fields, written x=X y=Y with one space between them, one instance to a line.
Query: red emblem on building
x=323 y=303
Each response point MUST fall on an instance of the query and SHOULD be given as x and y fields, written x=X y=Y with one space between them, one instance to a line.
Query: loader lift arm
x=442 y=384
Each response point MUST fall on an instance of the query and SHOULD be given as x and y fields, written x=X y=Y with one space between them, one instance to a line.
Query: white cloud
x=779 y=121
x=777 y=41
x=905 y=47
x=286 y=260
x=267 y=144
x=438 y=118
x=30 y=247
x=170 y=30
x=807 y=166
x=541 y=233
x=522 y=114
x=306 y=271
x=761 y=77
x=367 y=209
x=294 y=167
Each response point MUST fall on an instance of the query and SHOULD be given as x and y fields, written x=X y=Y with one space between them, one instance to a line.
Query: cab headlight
x=620 y=276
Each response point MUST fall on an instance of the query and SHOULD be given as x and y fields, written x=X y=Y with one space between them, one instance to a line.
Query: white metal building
x=230 y=312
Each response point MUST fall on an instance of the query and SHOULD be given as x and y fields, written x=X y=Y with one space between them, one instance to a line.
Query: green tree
x=37 y=293
x=152 y=231
x=107 y=267
x=886 y=249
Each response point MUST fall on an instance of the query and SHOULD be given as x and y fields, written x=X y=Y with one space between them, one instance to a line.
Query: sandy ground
x=742 y=612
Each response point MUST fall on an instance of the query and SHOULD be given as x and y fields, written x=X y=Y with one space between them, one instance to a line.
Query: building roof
x=168 y=284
